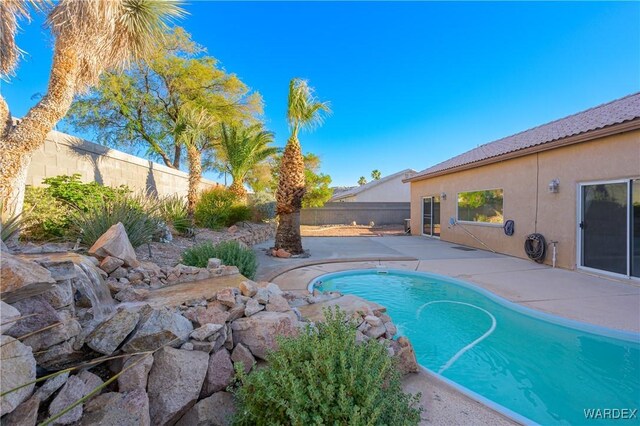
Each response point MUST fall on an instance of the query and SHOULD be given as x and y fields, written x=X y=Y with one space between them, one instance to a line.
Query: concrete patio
x=580 y=296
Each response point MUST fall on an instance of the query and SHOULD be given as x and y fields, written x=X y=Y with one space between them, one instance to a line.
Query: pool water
x=547 y=369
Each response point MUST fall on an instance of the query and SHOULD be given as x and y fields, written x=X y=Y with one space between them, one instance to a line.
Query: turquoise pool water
x=547 y=369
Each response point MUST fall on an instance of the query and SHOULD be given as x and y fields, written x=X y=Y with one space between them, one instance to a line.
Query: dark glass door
x=426 y=216
x=605 y=227
x=436 y=216
x=635 y=228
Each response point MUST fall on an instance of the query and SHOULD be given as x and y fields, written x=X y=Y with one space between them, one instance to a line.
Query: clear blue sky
x=410 y=84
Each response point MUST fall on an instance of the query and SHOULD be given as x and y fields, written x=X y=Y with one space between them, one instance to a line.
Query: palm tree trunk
x=238 y=188
x=291 y=189
x=18 y=143
x=194 y=156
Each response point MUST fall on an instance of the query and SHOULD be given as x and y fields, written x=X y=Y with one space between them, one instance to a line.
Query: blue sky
x=410 y=83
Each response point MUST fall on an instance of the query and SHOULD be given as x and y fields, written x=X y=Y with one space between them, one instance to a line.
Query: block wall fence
x=63 y=154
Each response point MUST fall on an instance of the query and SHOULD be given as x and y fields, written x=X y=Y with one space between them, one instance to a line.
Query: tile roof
x=614 y=112
x=358 y=189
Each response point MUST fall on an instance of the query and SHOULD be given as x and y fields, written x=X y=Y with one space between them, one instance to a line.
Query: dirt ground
x=351 y=231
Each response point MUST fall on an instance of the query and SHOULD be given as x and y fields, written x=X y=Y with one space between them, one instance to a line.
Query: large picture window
x=481 y=206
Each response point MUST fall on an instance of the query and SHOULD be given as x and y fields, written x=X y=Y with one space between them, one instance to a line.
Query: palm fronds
x=304 y=110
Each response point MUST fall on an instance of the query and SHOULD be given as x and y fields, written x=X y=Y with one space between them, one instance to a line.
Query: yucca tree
x=241 y=150
x=90 y=37
x=304 y=111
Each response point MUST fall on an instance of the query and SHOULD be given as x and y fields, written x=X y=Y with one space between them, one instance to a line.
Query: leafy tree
x=375 y=174
x=304 y=111
x=89 y=38
x=240 y=150
x=362 y=181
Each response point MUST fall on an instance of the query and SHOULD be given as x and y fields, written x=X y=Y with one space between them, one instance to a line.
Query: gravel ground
x=351 y=231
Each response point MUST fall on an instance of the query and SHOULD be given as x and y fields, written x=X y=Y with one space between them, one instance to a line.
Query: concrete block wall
x=64 y=154
x=362 y=213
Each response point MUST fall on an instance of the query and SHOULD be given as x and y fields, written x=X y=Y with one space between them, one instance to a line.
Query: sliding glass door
x=431 y=216
x=610 y=227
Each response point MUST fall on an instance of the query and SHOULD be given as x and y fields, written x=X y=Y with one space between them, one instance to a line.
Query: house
x=575 y=181
x=387 y=189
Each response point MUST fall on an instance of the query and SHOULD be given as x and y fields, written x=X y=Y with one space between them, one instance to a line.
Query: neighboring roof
x=546 y=136
x=405 y=174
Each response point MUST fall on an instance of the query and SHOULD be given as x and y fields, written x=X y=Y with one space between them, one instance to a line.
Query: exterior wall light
x=443 y=195
x=554 y=186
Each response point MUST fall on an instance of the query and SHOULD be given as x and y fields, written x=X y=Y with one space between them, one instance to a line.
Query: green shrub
x=238 y=213
x=263 y=206
x=218 y=208
x=10 y=226
x=71 y=190
x=138 y=214
x=323 y=377
x=173 y=210
x=46 y=218
x=229 y=252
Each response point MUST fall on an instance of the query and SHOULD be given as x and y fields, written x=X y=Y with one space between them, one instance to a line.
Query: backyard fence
x=361 y=213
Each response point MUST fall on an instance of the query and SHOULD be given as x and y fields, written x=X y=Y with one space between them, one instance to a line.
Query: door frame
x=422 y=217
x=579 y=239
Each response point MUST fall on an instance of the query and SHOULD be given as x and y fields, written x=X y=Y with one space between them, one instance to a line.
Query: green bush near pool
x=229 y=252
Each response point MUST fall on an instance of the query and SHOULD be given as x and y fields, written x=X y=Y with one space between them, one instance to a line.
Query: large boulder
x=66 y=329
x=174 y=383
x=216 y=410
x=349 y=304
x=60 y=295
x=22 y=278
x=8 y=316
x=135 y=373
x=37 y=314
x=219 y=373
x=106 y=337
x=405 y=356
x=118 y=409
x=243 y=355
x=258 y=332
x=115 y=243
x=18 y=367
x=158 y=328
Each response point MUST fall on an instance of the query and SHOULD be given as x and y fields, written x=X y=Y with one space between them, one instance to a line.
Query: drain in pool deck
x=463 y=248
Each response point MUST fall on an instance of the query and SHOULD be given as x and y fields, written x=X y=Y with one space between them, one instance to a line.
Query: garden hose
x=536 y=247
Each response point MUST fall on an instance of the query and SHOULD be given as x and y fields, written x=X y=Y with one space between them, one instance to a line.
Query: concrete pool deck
x=579 y=296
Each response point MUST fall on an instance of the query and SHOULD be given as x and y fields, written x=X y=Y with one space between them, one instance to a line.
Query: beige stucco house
x=575 y=180
x=389 y=189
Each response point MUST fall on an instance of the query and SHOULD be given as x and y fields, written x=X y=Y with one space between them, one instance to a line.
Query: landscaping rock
x=227 y=297
x=235 y=313
x=349 y=304
x=252 y=307
x=158 y=328
x=68 y=328
x=119 y=273
x=277 y=303
x=115 y=243
x=262 y=296
x=248 y=288
x=258 y=332
x=215 y=313
x=202 y=346
x=214 y=263
x=175 y=382
x=216 y=410
x=392 y=330
x=8 y=316
x=282 y=253
x=37 y=313
x=130 y=294
x=106 y=337
x=273 y=289
x=135 y=377
x=73 y=390
x=243 y=355
x=18 y=367
x=375 y=332
x=58 y=355
x=373 y=321
x=60 y=269
x=91 y=383
x=219 y=373
x=22 y=278
x=406 y=356
x=25 y=415
x=204 y=332
x=118 y=409
x=60 y=295
x=51 y=385
x=110 y=264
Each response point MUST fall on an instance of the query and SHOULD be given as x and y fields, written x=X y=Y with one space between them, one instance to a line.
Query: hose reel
x=536 y=247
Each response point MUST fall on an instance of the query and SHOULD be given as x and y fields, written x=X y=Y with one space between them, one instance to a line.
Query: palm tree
x=304 y=111
x=240 y=150
x=375 y=174
x=362 y=181
x=90 y=36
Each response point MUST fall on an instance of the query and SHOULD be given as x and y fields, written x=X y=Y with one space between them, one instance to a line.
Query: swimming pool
x=542 y=367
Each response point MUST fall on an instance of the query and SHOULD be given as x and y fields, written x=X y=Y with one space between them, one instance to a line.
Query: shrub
x=238 y=213
x=46 y=218
x=138 y=214
x=218 y=208
x=173 y=210
x=71 y=190
x=263 y=206
x=229 y=252
x=323 y=377
x=10 y=226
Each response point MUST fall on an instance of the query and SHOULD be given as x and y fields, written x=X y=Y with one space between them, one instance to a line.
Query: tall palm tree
x=240 y=150
x=90 y=36
x=304 y=111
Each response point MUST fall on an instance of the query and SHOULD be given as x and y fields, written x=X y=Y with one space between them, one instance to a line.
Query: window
x=481 y=206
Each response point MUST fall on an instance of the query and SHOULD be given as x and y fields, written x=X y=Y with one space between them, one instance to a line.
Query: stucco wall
x=525 y=182
x=393 y=191
x=63 y=154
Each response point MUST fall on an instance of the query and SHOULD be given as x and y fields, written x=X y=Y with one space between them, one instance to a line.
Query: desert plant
x=229 y=252
x=323 y=377
x=84 y=196
x=215 y=208
x=263 y=206
x=46 y=217
x=137 y=212
x=173 y=210
x=10 y=226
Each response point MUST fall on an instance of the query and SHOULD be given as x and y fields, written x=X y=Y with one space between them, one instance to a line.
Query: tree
x=362 y=181
x=375 y=174
x=317 y=190
x=241 y=150
x=304 y=111
x=90 y=37
x=154 y=101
